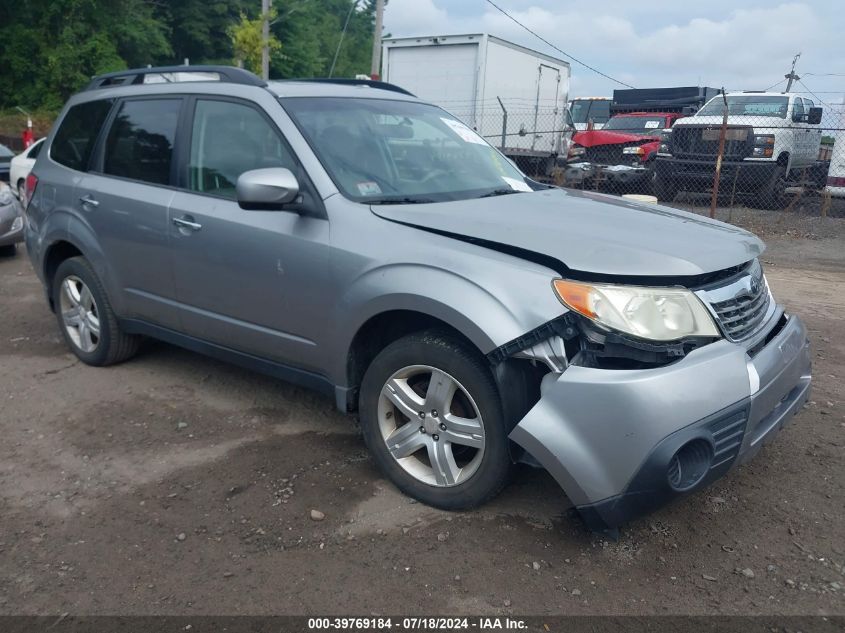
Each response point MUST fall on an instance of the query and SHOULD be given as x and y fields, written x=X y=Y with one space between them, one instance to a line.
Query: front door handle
x=89 y=200
x=187 y=222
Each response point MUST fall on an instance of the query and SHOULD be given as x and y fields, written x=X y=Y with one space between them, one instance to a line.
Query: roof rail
x=226 y=74
x=372 y=83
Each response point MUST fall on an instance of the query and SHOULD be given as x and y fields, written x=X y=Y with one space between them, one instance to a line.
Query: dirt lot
x=174 y=484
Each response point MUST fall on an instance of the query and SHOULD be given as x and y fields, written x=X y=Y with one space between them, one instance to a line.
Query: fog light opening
x=689 y=465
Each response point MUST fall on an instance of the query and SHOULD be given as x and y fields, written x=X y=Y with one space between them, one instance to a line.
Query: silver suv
x=349 y=237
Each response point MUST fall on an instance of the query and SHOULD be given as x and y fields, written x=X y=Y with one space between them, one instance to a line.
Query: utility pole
x=265 y=39
x=375 y=68
x=792 y=76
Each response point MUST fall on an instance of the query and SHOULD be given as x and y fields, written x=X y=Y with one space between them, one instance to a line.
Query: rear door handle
x=89 y=200
x=187 y=222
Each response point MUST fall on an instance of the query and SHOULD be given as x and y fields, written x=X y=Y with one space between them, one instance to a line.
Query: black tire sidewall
x=79 y=267
x=468 y=368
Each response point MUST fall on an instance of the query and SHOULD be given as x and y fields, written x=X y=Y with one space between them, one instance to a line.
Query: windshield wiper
x=499 y=192
x=406 y=200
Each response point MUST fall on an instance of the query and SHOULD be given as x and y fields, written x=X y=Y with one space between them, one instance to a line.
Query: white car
x=20 y=167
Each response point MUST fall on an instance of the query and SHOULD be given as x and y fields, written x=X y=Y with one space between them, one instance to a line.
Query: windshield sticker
x=517 y=185
x=369 y=188
x=463 y=131
x=652 y=124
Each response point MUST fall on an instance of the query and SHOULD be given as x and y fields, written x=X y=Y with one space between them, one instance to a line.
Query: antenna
x=792 y=76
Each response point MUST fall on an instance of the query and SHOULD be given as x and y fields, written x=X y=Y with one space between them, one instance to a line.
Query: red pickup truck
x=625 y=148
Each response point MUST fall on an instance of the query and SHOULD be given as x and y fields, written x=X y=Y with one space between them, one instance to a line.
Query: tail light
x=31 y=183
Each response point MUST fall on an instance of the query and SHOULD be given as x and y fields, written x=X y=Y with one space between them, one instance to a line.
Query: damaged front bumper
x=623 y=442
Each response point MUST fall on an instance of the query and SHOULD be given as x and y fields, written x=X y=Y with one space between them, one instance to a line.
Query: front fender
x=488 y=316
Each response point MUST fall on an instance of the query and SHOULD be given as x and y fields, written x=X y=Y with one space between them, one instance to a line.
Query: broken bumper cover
x=621 y=443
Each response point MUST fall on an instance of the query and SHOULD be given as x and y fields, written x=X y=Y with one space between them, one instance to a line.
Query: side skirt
x=301 y=377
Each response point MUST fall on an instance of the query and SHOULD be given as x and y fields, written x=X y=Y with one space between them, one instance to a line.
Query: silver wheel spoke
x=399 y=392
x=446 y=471
x=463 y=431
x=406 y=440
x=71 y=318
x=93 y=324
x=70 y=291
x=85 y=298
x=441 y=390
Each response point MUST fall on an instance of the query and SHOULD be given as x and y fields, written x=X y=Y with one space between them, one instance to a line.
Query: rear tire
x=85 y=316
x=9 y=250
x=452 y=455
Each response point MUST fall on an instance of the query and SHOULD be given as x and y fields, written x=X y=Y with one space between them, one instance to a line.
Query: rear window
x=140 y=142
x=78 y=132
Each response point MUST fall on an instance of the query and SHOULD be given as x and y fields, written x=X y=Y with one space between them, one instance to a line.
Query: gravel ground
x=174 y=484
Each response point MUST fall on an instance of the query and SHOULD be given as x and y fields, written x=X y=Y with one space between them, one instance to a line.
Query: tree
x=247 y=41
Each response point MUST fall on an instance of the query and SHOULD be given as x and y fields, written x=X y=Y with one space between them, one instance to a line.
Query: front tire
x=665 y=188
x=432 y=418
x=772 y=194
x=86 y=319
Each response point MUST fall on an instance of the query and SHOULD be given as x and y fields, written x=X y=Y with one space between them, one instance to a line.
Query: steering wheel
x=433 y=174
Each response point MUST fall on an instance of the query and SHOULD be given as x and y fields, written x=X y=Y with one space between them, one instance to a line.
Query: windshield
x=398 y=151
x=747 y=105
x=585 y=109
x=5 y=152
x=636 y=124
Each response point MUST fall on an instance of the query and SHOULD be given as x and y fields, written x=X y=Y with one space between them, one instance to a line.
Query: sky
x=747 y=45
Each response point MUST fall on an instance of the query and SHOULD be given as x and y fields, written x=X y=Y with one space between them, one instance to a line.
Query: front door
x=248 y=280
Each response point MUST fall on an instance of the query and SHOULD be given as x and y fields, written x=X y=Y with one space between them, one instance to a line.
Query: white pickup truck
x=772 y=141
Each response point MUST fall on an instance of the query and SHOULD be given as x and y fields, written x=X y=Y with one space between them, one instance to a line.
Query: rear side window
x=35 y=151
x=140 y=142
x=78 y=132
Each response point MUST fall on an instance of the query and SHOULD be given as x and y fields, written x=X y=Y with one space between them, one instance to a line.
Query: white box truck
x=511 y=95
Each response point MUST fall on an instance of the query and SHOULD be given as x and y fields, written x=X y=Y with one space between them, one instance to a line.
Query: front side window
x=384 y=151
x=228 y=139
x=78 y=132
x=747 y=105
x=140 y=142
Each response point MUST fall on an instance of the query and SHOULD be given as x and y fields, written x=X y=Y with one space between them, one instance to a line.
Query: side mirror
x=267 y=189
x=814 y=117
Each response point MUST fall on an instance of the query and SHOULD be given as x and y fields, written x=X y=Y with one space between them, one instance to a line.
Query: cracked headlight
x=656 y=314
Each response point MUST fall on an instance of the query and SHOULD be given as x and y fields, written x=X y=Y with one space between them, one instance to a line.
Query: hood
x=588 y=232
x=609 y=137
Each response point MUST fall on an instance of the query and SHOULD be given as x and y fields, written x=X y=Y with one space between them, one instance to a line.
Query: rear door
x=249 y=280
x=124 y=198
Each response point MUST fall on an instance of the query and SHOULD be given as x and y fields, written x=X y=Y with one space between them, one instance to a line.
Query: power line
x=342 y=35
x=813 y=93
x=774 y=84
x=825 y=74
x=542 y=39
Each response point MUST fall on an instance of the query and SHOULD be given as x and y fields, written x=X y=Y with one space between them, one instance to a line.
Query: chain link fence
x=776 y=152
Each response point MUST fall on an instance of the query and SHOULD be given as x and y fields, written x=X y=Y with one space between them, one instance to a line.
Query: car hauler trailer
x=511 y=95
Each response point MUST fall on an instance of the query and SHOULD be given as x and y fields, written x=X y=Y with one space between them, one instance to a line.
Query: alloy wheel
x=79 y=314
x=431 y=425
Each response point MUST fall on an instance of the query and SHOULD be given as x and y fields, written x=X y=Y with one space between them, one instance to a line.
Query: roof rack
x=372 y=83
x=226 y=74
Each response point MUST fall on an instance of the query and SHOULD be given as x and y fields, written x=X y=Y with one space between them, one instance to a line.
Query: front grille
x=741 y=315
x=702 y=142
x=727 y=437
x=604 y=154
